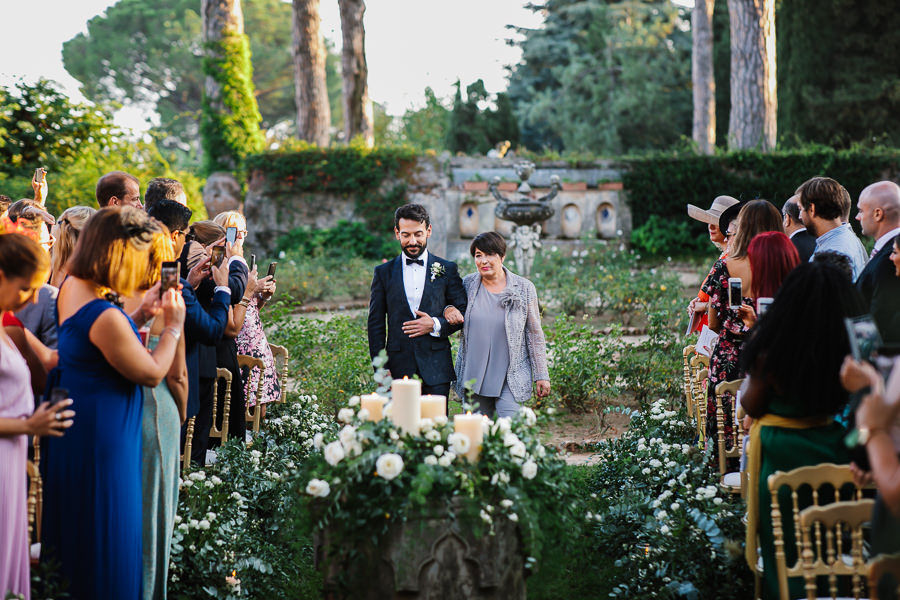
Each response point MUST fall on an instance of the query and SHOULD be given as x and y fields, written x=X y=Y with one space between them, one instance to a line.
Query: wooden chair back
x=699 y=377
x=252 y=413
x=214 y=431
x=686 y=355
x=816 y=477
x=723 y=390
x=281 y=356
x=35 y=502
x=188 y=443
x=884 y=564
x=825 y=530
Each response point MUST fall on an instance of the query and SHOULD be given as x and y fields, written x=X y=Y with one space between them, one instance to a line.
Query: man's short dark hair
x=413 y=212
x=174 y=215
x=846 y=205
x=792 y=210
x=162 y=188
x=113 y=184
x=489 y=242
x=837 y=260
x=826 y=194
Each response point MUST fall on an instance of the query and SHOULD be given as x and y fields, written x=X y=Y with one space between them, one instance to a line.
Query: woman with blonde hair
x=92 y=518
x=66 y=230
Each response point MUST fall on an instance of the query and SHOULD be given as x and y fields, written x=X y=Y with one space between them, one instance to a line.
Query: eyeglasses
x=729 y=234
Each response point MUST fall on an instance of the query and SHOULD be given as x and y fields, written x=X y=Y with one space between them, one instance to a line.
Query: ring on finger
x=58 y=417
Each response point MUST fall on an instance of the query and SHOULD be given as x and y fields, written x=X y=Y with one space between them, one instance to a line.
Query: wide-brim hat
x=729 y=214
x=715 y=211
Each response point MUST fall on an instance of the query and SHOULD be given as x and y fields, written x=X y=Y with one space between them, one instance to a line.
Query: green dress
x=783 y=449
x=161 y=435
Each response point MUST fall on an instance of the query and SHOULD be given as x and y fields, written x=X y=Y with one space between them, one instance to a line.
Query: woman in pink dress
x=252 y=341
x=24 y=266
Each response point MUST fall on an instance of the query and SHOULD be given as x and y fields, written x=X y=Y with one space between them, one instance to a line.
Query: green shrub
x=303 y=279
x=659 y=236
x=345 y=240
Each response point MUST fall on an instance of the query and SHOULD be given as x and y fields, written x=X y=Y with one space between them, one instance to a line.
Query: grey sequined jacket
x=524 y=335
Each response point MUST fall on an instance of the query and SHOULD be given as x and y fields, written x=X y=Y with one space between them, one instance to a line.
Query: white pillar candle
x=470 y=426
x=405 y=404
x=374 y=404
x=433 y=406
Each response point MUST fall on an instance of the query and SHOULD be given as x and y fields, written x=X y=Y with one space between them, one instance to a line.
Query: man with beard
x=821 y=211
x=411 y=293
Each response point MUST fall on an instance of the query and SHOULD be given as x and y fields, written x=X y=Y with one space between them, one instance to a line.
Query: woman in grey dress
x=502 y=350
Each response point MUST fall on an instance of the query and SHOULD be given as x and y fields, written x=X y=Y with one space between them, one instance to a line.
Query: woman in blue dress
x=92 y=518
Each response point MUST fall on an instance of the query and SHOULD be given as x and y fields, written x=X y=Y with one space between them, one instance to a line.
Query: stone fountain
x=527 y=213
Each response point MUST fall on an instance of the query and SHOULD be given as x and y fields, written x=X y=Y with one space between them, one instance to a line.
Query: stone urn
x=433 y=556
x=221 y=193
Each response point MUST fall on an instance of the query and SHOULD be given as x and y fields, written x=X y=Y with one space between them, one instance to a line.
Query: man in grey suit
x=803 y=240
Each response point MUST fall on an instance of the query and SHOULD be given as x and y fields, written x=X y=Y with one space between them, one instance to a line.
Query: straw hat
x=715 y=211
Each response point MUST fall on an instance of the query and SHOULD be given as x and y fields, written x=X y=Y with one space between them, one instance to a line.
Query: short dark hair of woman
x=490 y=242
x=757 y=216
x=412 y=212
x=799 y=344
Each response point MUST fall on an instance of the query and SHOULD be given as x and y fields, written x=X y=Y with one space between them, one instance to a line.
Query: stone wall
x=454 y=190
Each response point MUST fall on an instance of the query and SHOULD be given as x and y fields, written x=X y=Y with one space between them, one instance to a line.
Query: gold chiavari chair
x=825 y=528
x=686 y=355
x=700 y=374
x=252 y=413
x=733 y=481
x=221 y=432
x=826 y=475
x=281 y=356
x=881 y=566
x=35 y=504
x=188 y=442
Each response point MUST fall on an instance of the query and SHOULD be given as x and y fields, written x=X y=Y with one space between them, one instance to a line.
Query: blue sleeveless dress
x=92 y=520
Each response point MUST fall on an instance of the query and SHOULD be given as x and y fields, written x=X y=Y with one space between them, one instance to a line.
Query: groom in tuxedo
x=411 y=292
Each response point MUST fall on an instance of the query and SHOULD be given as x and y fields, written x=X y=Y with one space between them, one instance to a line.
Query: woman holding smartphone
x=729 y=281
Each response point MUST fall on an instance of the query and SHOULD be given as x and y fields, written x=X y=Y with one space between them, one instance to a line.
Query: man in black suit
x=803 y=240
x=879 y=215
x=411 y=293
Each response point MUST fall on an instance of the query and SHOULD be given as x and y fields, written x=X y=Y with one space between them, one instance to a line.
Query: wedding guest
x=163 y=412
x=793 y=397
x=879 y=215
x=23 y=266
x=711 y=217
x=753 y=218
x=118 y=188
x=411 y=292
x=837 y=260
x=502 y=347
x=66 y=230
x=772 y=257
x=92 y=517
x=821 y=210
x=802 y=239
x=163 y=188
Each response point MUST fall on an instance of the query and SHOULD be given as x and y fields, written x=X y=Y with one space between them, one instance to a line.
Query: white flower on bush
x=354 y=400
x=318 y=488
x=510 y=439
x=197 y=476
x=664 y=529
x=215 y=480
x=345 y=415
x=529 y=469
x=717 y=501
x=675 y=506
x=426 y=424
x=506 y=503
x=211 y=516
x=204 y=524
x=501 y=425
x=431 y=460
x=433 y=436
x=186 y=483
x=529 y=416
x=389 y=465
x=446 y=459
x=363 y=414
x=334 y=453
x=394 y=435
x=485 y=516
x=645 y=470
x=438 y=450
x=440 y=420
x=347 y=435
x=517 y=450
x=655 y=463
x=194 y=523
x=459 y=442
x=513 y=517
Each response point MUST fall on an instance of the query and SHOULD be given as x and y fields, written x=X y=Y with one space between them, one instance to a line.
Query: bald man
x=879 y=215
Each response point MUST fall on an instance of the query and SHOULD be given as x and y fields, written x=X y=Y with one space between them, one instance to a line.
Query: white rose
x=717 y=501
x=675 y=506
x=426 y=424
x=510 y=439
x=485 y=516
x=529 y=469
x=347 y=435
x=345 y=415
x=446 y=459
x=655 y=463
x=502 y=425
x=440 y=420
x=459 y=442
x=215 y=480
x=334 y=452
x=363 y=414
x=513 y=517
x=204 y=524
x=389 y=465
x=529 y=416
x=506 y=503
x=517 y=450
x=211 y=516
x=431 y=460
x=394 y=435
x=438 y=450
x=433 y=436
x=664 y=529
x=354 y=400
x=541 y=451
x=318 y=488
x=504 y=477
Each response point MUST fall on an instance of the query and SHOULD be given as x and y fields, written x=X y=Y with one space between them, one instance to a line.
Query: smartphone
x=735 y=295
x=218 y=255
x=58 y=394
x=168 y=276
x=863 y=336
x=231 y=235
x=252 y=261
x=39 y=174
x=762 y=305
x=271 y=272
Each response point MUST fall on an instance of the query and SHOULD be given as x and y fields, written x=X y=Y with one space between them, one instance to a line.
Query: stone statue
x=222 y=192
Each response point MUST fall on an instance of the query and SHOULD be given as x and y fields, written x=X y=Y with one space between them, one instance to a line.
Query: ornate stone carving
x=222 y=192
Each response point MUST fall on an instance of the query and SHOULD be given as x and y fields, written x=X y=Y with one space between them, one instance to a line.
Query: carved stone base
x=428 y=557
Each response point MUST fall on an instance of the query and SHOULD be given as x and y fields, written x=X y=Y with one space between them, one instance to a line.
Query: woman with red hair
x=772 y=257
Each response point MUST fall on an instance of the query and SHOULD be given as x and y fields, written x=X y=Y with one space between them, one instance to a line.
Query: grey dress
x=488 y=359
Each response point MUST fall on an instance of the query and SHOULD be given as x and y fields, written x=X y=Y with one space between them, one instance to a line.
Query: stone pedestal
x=221 y=193
x=429 y=557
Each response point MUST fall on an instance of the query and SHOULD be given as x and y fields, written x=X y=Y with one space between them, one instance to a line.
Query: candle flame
x=405 y=377
x=468 y=412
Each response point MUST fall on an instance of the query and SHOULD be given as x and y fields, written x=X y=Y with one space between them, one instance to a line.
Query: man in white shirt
x=879 y=215
x=410 y=293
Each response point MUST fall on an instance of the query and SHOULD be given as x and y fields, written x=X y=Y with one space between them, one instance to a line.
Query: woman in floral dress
x=252 y=341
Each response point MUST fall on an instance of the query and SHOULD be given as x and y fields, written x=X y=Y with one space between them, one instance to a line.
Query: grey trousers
x=504 y=405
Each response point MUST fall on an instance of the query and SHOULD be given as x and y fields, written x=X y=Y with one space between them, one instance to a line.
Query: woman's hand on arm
x=453 y=316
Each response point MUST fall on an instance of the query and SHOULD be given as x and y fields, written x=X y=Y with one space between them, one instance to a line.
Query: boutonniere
x=437 y=270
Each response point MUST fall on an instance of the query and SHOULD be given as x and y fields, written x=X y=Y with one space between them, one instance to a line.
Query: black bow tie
x=415 y=261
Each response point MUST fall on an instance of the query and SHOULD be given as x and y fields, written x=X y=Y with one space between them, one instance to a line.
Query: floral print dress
x=252 y=342
x=723 y=364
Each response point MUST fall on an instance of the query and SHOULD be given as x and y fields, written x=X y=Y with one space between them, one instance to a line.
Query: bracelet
x=176 y=333
x=245 y=302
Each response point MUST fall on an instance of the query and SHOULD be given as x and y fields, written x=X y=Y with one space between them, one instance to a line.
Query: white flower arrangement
x=389 y=465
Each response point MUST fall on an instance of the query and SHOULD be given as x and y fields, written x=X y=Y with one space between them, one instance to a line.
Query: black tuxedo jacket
x=427 y=355
x=805 y=244
x=201 y=327
x=880 y=288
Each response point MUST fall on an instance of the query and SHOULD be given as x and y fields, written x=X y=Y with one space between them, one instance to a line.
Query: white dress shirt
x=414 y=285
x=880 y=242
x=796 y=232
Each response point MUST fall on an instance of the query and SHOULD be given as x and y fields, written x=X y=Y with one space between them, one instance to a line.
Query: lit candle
x=470 y=426
x=433 y=406
x=374 y=404
x=405 y=404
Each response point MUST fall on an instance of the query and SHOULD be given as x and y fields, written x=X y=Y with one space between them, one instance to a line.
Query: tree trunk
x=311 y=92
x=754 y=104
x=221 y=19
x=704 y=82
x=357 y=106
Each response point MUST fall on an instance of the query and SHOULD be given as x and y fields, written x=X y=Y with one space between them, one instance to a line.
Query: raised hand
x=201 y=271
